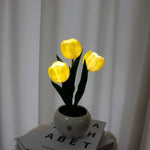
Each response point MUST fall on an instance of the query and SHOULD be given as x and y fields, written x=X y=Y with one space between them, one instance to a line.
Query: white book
x=51 y=139
x=104 y=144
x=18 y=147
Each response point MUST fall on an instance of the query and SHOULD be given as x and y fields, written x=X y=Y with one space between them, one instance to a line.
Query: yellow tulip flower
x=71 y=48
x=94 y=62
x=59 y=72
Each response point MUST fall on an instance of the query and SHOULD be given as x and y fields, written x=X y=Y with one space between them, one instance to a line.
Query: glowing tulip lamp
x=94 y=62
x=71 y=48
x=61 y=73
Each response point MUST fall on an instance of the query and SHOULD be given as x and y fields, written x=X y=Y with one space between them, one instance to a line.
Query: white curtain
x=30 y=35
x=19 y=68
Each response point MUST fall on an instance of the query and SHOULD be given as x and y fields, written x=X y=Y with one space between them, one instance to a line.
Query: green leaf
x=69 y=85
x=63 y=93
x=58 y=58
x=82 y=84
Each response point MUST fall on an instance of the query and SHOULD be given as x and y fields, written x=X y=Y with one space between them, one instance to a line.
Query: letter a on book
x=95 y=125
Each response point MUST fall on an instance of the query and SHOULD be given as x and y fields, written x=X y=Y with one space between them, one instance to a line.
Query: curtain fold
x=145 y=145
x=19 y=68
x=31 y=33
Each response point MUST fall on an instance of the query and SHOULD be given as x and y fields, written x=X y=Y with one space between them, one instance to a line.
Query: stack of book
x=51 y=139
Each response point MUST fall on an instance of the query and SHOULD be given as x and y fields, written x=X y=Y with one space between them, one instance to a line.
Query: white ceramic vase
x=72 y=125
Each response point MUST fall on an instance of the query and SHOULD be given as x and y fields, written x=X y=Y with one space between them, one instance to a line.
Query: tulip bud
x=94 y=62
x=59 y=72
x=71 y=48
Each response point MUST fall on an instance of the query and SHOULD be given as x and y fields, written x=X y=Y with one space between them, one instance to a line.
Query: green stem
x=72 y=61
